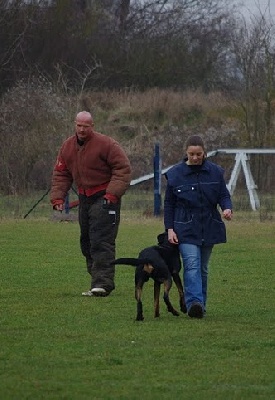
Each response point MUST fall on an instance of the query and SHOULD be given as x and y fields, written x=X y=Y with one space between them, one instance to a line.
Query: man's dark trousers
x=99 y=224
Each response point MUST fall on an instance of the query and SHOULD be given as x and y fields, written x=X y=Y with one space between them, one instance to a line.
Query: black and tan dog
x=161 y=263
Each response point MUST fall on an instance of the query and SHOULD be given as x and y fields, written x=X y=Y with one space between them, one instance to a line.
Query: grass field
x=55 y=344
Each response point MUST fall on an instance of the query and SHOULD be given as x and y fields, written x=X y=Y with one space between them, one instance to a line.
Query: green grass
x=55 y=344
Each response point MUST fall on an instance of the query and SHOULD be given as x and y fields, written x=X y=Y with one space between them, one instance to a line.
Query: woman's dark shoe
x=196 y=310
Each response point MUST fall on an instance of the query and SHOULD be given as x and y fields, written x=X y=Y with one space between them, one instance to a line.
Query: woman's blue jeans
x=195 y=270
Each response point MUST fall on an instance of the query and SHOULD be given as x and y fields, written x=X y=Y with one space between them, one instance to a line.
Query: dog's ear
x=162 y=238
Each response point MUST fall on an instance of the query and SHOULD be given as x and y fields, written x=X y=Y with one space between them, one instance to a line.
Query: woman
x=195 y=187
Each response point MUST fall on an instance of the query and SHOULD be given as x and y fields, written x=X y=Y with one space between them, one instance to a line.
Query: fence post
x=157 y=181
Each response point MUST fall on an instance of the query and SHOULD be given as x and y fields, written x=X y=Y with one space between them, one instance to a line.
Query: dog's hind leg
x=167 y=287
x=156 y=298
x=179 y=286
x=138 y=291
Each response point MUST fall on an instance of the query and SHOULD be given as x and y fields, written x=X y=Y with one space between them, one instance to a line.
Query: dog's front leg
x=138 y=292
x=167 y=287
x=178 y=283
x=156 y=298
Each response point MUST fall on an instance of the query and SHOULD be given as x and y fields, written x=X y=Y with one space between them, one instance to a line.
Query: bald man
x=101 y=170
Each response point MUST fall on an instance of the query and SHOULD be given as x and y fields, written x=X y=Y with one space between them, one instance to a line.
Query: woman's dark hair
x=195 y=140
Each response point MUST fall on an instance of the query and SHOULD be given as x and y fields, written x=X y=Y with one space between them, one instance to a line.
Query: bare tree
x=254 y=50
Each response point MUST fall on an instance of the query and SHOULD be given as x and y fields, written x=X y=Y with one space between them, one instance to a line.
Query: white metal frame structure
x=242 y=157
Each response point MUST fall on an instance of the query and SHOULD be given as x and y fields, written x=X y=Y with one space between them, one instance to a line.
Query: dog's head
x=169 y=252
x=162 y=237
x=164 y=242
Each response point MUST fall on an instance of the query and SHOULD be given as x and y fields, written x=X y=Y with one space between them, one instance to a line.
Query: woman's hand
x=227 y=214
x=172 y=237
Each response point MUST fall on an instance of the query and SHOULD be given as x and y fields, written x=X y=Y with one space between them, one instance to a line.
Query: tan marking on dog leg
x=148 y=268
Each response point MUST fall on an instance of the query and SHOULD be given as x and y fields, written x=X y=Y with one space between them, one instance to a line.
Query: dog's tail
x=132 y=261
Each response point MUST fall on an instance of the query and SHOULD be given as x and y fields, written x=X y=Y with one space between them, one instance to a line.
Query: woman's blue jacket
x=191 y=200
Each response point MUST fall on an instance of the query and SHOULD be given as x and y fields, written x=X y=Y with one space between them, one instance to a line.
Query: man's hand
x=58 y=207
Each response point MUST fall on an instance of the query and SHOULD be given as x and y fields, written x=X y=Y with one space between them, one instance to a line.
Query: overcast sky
x=252 y=7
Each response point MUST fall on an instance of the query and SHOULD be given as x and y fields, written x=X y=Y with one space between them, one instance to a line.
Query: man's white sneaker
x=99 y=292
x=88 y=293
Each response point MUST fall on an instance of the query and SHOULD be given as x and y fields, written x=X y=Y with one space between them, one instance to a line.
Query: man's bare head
x=84 y=125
